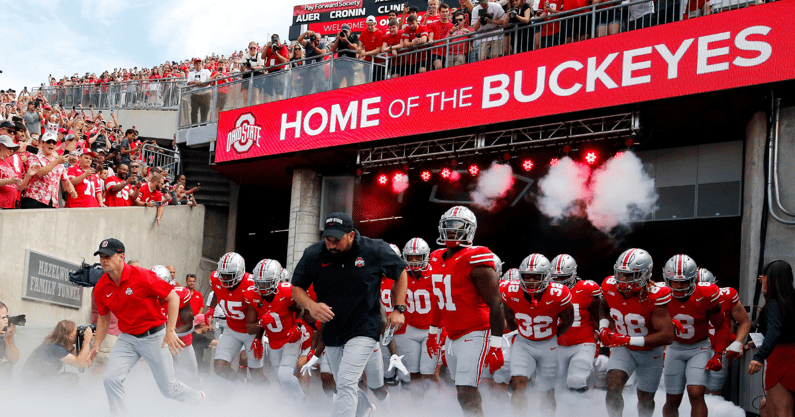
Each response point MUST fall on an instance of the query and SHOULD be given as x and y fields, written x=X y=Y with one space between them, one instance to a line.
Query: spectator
x=640 y=15
x=608 y=22
x=181 y=197
x=45 y=364
x=86 y=182
x=125 y=152
x=253 y=64
x=9 y=354
x=409 y=11
x=392 y=43
x=199 y=100
x=370 y=41
x=412 y=37
x=457 y=54
x=33 y=117
x=275 y=54
x=668 y=11
x=438 y=30
x=10 y=182
x=42 y=191
x=550 y=30
x=173 y=272
x=345 y=46
x=433 y=14
x=314 y=75
x=487 y=17
x=518 y=16
x=777 y=324
x=150 y=195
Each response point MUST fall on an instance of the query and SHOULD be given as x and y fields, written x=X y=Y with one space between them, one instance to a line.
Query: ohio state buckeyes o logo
x=245 y=134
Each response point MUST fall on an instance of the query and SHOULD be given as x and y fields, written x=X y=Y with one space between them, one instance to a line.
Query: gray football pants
x=347 y=364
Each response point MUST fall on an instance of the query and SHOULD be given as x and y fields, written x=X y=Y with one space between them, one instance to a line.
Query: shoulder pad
x=660 y=295
x=480 y=256
x=592 y=287
x=708 y=290
x=609 y=283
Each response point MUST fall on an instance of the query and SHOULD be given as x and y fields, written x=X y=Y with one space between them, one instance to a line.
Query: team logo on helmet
x=359 y=262
x=245 y=134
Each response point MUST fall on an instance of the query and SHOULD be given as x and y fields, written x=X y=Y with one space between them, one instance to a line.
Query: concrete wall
x=71 y=234
x=304 y=214
x=160 y=124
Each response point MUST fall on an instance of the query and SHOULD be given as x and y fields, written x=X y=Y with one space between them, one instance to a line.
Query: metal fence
x=134 y=95
x=201 y=104
x=168 y=159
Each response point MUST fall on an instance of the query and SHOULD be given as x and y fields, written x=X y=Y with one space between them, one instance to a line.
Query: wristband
x=495 y=341
x=604 y=324
x=735 y=347
x=433 y=330
x=637 y=341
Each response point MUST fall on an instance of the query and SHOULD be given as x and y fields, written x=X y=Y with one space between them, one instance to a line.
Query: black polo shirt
x=351 y=285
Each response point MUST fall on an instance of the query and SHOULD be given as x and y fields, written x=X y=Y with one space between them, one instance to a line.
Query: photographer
x=488 y=16
x=275 y=54
x=518 y=15
x=345 y=45
x=124 y=147
x=252 y=64
x=314 y=76
x=9 y=354
x=181 y=197
x=33 y=117
x=44 y=365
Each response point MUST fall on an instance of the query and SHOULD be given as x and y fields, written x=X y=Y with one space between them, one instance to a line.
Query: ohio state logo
x=359 y=262
x=244 y=135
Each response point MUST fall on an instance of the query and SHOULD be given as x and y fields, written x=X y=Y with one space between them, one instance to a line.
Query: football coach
x=346 y=269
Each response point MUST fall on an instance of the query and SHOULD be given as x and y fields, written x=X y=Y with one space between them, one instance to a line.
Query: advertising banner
x=722 y=51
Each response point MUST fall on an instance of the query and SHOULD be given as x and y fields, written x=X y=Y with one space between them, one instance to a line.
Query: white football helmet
x=704 y=275
x=564 y=270
x=633 y=270
x=535 y=267
x=163 y=273
x=498 y=265
x=417 y=247
x=266 y=276
x=457 y=227
x=681 y=268
x=511 y=275
x=231 y=268
x=287 y=276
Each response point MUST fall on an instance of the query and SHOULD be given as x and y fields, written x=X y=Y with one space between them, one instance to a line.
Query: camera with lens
x=513 y=12
x=19 y=320
x=483 y=16
x=312 y=37
x=275 y=45
x=81 y=332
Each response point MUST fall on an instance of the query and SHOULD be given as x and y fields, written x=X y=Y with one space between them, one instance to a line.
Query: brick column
x=304 y=214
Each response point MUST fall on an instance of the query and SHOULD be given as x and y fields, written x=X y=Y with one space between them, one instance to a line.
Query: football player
x=691 y=355
x=272 y=310
x=578 y=344
x=467 y=291
x=185 y=365
x=541 y=311
x=635 y=324
x=229 y=283
x=732 y=309
x=420 y=308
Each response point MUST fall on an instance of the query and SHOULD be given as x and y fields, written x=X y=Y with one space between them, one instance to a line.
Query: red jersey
x=633 y=316
x=582 y=330
x=371 y=40
x=135 y=301
x=420 y=309
x=86 y=190
x=392 y=40
x=728 y=299
x=121 y=198
x=147 y=194
x=536 y=319
x=462 y=308
x=232 y=301
x=408 y=34
x=692 y=313
x=386 y=300
x=554 y=27
x=440 y=31
x=279 y=308
x=428 y=19
x=184 y=300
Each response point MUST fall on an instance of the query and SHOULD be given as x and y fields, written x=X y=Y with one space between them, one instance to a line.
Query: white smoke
x=493 y=184
x=562 y=188
x=616 y=194
x=621 y=192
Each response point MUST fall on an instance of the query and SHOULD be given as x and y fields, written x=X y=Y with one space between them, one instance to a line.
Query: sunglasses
x=53 y=141
x=459 y=20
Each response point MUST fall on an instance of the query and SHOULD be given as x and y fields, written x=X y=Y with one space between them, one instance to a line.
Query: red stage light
x=619 y=154
x=455 y=175
x=507 y=156
x=590 y=157
x=399 y=177
x=473 y=170
x=445 y=173
x=629 y=142
x=527 y=165
x=383 y=179
x=425 y=175
x=566 y=149
x=554 y=162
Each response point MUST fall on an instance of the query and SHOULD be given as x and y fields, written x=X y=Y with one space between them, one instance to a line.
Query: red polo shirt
x=135 y=301
x=196 y=302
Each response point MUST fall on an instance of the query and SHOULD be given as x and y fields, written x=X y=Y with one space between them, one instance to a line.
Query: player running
x=635 y=324
x=466 y=286
x=185 y=365
x=577 y=346
x=272 y=310
x=229 y=283
x=541 y=310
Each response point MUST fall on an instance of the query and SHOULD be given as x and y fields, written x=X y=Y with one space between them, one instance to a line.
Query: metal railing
x=132 y=95
x=168 y=159
x=201 y=104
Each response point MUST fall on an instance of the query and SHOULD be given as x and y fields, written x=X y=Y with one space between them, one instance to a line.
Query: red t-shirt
x=410 y=34
x=283 y=327
x=196 y=302
x=147 y=194
x=553 y=28
x=121 y=198
x=135 y=301
x=440 y=31
x=271 y=59
x=371 y=40
x=582 y=330
x=86 y=189
x=633 y=315
x=462 y=308
x=537 y=320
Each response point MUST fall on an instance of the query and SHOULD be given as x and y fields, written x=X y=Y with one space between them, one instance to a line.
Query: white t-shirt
x=200 y=76
x=497 y=15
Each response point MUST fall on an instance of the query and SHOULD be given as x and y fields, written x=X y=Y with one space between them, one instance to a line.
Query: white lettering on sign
x=316 y=120
x=311 y=17
x=245 y=134
x=339 y=14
